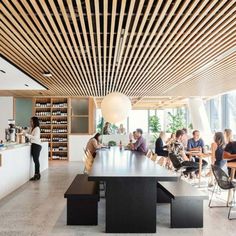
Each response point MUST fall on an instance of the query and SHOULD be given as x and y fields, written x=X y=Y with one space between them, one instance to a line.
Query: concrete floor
x=38 y=208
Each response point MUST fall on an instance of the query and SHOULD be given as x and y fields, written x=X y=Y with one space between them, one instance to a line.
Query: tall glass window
x=215 y=113
x=138 y=119
x=231 y=102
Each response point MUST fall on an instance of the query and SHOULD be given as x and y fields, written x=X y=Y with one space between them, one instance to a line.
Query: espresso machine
x=10 y=132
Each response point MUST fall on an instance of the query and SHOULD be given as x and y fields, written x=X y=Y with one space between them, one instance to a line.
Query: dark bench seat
x=82 y=201
x=186 y=203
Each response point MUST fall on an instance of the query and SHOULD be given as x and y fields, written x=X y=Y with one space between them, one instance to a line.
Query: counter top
x=10 y=146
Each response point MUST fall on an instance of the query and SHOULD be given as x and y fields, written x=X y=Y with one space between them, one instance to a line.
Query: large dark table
x=131 y=186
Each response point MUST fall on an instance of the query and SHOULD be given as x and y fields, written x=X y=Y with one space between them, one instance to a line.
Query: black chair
x=178 y=165
x=223 y=182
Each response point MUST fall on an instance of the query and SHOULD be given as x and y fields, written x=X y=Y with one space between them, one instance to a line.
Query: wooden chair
x=149 y=153
x=88 y=161
x=153 y=157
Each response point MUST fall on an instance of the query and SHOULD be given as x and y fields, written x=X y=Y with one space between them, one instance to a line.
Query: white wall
x=6 y=107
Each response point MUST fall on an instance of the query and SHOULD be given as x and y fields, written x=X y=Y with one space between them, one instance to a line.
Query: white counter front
x=17 y=167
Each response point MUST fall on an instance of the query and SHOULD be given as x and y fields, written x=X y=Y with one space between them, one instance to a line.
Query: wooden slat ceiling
x=142 y=48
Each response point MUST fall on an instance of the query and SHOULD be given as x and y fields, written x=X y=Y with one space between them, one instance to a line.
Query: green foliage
x=176 y=122
x=190 y=126
x=111 y=143
x=154 y=124
x=100 y=125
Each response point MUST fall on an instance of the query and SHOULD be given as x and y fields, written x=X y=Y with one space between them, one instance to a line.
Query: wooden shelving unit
x=53 y=115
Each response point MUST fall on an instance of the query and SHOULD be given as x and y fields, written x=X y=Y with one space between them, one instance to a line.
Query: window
x=215 y=113
x=231 y=103
x=138 y=119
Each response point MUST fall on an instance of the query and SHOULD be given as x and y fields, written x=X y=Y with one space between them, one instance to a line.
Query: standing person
x=159 y=145
x=94 y=144
x=228 y=136
x=140 y=144
x=107 y=129
x=34 y=137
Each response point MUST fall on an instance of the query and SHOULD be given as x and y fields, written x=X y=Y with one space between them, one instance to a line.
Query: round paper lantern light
x=115 y=107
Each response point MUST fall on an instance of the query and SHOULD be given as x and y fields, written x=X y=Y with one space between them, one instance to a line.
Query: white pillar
x=199 y=118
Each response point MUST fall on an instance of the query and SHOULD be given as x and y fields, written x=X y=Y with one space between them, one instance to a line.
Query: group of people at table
x=185 y=148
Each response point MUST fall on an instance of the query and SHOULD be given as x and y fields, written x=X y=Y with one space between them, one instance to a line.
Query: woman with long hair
x=160 y=144
x=228 y=134
x=34 y=138
x=220 y=144
x=94 y=144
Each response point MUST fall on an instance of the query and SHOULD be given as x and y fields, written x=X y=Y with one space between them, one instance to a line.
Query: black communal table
x=131 y=187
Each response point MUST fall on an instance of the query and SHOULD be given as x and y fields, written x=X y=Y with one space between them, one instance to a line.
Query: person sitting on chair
x=176 y=148
x=196 y=144
x=159 y=145
x=107 y=128
x=140 y=144
x=94 y=144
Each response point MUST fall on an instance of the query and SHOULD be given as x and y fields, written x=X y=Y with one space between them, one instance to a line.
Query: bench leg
x=162 y=197
x=186 y=213
x=82 y=212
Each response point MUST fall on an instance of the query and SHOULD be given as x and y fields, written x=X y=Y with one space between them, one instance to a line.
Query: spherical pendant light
x=115 y=107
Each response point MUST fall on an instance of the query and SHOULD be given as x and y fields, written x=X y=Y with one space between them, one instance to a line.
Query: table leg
x=200 y=171
x=131 y=205
x=232 y=174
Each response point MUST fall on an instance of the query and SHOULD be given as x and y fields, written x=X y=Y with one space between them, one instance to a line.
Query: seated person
x=107 y=129
x=94 y=144
x=177 y=148
x=121 y=130
x=230 y=151
x=160 y=144
x=196 y=144
x=219 y=150
x=170 y=139
x=228 y=133
x=140 y=144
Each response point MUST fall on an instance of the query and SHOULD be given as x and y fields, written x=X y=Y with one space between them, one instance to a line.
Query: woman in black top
x=159 y=146
x=220 y=142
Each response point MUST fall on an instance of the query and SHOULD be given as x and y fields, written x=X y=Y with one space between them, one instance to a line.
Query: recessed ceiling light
x=3 y=71
x=47 y=74
x=26 y=85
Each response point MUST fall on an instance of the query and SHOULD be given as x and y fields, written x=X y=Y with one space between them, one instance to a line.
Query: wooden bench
x=82 y=201
x=186 y=203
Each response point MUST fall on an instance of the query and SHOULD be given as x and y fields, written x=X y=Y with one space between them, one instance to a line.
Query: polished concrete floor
x=38 y=208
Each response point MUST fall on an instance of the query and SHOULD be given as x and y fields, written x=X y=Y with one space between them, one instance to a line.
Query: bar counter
x=16 y=166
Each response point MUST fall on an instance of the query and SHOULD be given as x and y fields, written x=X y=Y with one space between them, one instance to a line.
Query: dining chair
x=223 y=181
x=88 y=161
x=149 y=153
